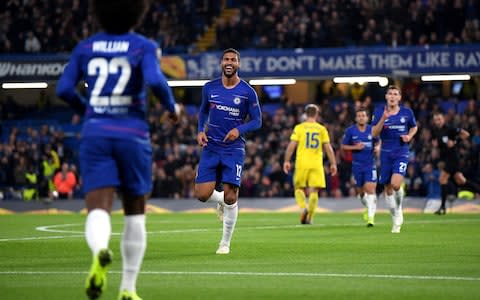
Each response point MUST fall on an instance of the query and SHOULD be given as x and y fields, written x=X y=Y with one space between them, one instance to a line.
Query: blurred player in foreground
x=396 y=126
x=445 y=138
x=226 y=104
x=358 y=139
x=309 y=139
x=115 y=151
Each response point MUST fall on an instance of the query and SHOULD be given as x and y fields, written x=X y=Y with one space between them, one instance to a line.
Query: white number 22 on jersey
x=102 y=68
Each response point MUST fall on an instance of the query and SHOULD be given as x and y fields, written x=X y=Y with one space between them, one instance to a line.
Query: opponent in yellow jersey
x=310 y=139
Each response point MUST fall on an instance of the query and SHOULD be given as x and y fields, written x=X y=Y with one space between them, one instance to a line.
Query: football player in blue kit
x=226 y=103
x=396 y=126
x=115 y=151
x=358 y=139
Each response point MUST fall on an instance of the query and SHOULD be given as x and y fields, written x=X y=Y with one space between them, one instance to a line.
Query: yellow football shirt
x=310 y=137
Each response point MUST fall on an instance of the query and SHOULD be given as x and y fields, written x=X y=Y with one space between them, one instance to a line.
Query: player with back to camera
x=446 y=137
x=115 y=150
x=396 y=126
x=309 y=139
x=358 y=139
x=226 y=103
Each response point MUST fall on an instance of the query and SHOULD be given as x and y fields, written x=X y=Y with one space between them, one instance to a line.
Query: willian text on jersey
x=115 y=69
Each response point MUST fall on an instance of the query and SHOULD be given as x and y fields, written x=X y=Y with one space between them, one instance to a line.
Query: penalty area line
x=262 y=274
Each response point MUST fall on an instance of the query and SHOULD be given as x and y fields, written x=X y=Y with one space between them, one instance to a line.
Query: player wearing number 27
x=115 y=150
x=396 y=126
x=309 y=139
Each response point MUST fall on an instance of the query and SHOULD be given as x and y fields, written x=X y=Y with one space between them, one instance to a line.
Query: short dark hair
x=119 y=16
x=394 y=87
x=231 y=50
x=362 y=108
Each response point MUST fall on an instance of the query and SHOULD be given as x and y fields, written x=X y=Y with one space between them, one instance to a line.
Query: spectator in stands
x=32 y=44
x=430 y=179
x=30 y=190
x=413 y=182
x=65 y=182
x=19 y=171
x=163 y=186
x=50 y=163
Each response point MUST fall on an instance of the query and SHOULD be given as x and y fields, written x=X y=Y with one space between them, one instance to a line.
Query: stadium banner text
x=298 y=63
x=324 y=63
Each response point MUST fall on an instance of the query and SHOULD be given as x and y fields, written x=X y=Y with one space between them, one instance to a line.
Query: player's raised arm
x=378 y=120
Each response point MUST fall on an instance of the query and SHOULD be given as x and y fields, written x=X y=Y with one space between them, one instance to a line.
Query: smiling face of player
x=230 y=64
x=393 y=97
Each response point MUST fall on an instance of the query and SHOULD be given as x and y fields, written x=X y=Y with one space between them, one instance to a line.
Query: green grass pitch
x=435 y=257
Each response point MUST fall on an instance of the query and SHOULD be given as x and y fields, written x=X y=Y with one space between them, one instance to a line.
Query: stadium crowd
x=42 y=152
x=56 y=26
x=344 y=23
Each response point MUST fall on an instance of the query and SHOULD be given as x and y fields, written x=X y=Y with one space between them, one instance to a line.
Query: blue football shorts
x=391 y=163
x=219 y=166
x=112 y=162
x=364 y=175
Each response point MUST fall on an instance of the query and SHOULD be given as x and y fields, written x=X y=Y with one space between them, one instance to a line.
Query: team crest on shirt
x=237 y=100
x=369 y=136
x=402 y=120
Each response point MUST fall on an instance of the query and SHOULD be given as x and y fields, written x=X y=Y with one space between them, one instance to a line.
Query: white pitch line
x=42 y=238
x=262 y=274
x=54 y=229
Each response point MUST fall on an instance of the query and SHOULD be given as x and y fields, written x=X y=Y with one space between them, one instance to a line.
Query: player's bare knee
x=230 y=198
x=202 y=194
x=396 y=186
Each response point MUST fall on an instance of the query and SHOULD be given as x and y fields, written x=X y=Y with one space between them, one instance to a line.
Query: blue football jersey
x=365 y=158
x=223 y=109
x=395 y=126
x=116 y=70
